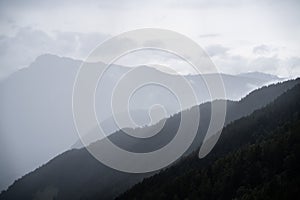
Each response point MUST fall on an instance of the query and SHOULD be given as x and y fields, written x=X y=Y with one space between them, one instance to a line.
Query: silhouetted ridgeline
x=75 y=174
x=257 y=157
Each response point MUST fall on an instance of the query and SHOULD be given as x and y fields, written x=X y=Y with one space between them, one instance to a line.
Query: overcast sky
x=240 y=37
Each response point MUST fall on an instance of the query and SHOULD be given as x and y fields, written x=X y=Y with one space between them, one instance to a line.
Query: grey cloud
x=266 y=64
x=216 y=50
x=283 y=67
x=294 y=62
x=263 y=49
x=108 y=50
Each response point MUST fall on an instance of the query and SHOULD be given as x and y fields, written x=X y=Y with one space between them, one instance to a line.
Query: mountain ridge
x=95 y=173
x=39 y=100
x=48 y=56
x=245 y=160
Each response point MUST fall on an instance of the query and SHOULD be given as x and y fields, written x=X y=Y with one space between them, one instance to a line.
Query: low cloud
x=284 y=67
x=263 y=50
x=216 y=50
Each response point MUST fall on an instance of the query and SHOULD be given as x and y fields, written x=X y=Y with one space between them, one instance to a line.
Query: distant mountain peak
x=44 y=58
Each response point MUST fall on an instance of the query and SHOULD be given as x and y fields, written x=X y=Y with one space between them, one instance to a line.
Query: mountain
x=256 y=157
x=36 y=121
x=259 y=75
x=75 y=174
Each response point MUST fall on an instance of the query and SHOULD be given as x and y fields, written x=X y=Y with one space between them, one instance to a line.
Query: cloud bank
x=239 y=36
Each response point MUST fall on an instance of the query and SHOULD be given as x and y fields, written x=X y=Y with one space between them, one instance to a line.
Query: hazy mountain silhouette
x=75 y=174
x=36 y=113
x=258 y=75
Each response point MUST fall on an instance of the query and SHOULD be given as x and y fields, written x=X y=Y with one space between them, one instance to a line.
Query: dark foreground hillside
x=257 y=157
